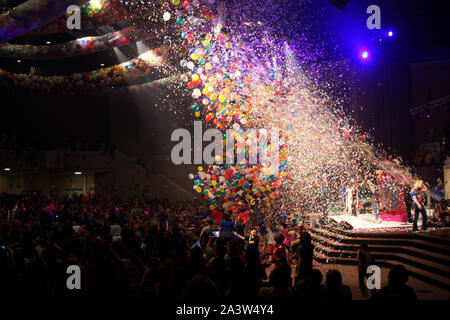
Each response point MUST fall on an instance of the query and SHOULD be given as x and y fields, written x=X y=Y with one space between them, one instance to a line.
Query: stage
x=367 y=221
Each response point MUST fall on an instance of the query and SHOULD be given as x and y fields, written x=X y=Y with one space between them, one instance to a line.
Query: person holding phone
x=417 y=198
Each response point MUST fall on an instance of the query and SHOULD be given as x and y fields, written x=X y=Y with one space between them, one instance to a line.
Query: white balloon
x=196 y=93
x=166 y=16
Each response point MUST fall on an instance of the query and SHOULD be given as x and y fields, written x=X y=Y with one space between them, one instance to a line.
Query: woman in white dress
x=349 y=199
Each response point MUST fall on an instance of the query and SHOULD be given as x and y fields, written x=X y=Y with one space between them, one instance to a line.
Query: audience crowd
x=164 y=252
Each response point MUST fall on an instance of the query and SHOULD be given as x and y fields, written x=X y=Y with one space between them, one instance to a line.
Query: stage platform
x=367 y=221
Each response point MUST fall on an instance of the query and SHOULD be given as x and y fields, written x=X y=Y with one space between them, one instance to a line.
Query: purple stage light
x=364 y=54
x=390 y=33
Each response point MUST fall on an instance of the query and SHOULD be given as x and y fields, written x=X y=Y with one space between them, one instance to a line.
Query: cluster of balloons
x=237 y=187
x=216 y=82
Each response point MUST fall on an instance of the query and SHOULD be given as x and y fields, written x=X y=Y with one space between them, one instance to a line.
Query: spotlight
x=390 y=33
x=77 y=173
x=7 y=169
x=365 y=54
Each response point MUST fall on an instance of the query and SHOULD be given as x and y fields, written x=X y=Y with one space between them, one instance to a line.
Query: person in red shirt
x=279 y=251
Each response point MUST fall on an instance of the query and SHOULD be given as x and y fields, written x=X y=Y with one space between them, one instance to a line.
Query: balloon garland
x=76 y=47
x=146 y=65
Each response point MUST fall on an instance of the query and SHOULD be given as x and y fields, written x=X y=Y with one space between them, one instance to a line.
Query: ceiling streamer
x=31 y=15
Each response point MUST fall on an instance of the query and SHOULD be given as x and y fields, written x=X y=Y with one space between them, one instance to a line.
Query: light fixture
x=77 y=173
x=365 y=55
x=7 y=169
x=19 y=61
x=48 y=42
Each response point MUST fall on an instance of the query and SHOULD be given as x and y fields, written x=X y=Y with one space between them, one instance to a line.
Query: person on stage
x=349 y=199
x=375 y=200
x=408 y=204
x=417 y=198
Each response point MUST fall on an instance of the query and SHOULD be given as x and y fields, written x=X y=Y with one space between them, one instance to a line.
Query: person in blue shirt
x=226 y=228
x=438 y=191
x=417 y=199
x=240 y=229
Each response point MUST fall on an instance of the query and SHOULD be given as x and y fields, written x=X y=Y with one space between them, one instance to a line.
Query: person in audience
x=305 y=256
x=397 y=290
x=363 y=259
x=335 y=290
x=226 y=228
x=310 y=289
x=279 y=251
x=280 y=285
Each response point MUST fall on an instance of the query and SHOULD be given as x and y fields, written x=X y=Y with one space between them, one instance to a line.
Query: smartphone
x=215 y=234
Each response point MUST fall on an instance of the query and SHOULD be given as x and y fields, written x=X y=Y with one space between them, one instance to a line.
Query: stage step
x=425 y=264
x=423 y=243
x=425 y=236
x=425 y=258
x=423 y=275
x=417 y=252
